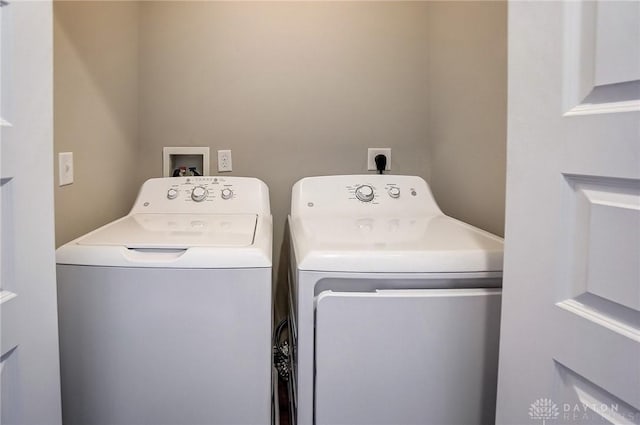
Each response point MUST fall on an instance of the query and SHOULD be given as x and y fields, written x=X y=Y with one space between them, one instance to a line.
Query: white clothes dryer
x=165 y=314
x=395 y=307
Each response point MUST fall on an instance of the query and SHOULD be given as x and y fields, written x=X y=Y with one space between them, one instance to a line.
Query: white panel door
x=29 y=366
x=422 y=356
x=570 y=336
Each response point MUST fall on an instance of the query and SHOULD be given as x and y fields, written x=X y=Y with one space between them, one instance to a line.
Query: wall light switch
x=65 y=168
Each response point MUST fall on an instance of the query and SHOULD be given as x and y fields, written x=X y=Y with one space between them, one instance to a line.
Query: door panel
x=29 y=366
x=601 y=56
x=617 y=53
x=593 y=402
x=406 y=356
x=570 y=335
x=601 y=212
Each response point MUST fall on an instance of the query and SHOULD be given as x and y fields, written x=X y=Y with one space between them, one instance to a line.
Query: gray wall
x=467 y=129
x=293 y=89
x=95 y=112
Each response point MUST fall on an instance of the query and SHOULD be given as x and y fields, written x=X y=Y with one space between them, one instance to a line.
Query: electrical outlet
x=371 y=155
x=65 y=168
x=224 y=161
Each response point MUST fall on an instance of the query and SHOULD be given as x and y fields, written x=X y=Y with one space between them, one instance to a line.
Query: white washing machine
x=165 y=314
x=395 y=307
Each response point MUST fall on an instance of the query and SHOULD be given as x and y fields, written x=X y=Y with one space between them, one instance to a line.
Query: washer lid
x=176 y=231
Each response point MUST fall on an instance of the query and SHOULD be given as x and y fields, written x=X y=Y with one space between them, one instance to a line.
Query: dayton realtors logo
x=543 y=409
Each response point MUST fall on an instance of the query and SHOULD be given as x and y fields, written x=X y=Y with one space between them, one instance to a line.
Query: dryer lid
x=418 y=244
x=176 y=231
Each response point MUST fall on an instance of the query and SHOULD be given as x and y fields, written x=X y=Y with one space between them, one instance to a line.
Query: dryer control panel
x=362 y=194
x=368 y=192
x=203 y=194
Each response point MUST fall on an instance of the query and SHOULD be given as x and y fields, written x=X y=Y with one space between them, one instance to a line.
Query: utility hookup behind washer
x=394 y=306
x=165 y=314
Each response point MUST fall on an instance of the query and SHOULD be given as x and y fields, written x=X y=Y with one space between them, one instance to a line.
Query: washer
x=165 y=314
x=394 y=308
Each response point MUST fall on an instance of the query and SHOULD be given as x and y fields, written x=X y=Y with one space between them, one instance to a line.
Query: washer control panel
x=206 y=194
x=172 y=193
x=200 y=189
x=198 y=193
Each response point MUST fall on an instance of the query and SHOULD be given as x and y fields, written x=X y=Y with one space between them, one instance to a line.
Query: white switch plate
x=371 y=155
x=65 y=168
x=224 y=161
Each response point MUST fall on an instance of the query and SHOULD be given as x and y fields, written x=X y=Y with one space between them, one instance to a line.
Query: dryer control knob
x=365 y=193
x=226 y=193
x=199 y=194
x=394 y=192
x=172 y=193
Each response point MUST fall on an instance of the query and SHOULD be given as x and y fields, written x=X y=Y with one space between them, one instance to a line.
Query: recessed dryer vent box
x=188 y=157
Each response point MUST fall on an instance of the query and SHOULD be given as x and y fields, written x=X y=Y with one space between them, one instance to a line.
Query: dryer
x=165 y=314
x=394 y=306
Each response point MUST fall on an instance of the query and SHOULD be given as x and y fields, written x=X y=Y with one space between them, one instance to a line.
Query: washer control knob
x=365 y=193
x=199 y=194
x=172 y=193
x=394 y=192
x=226 y=193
